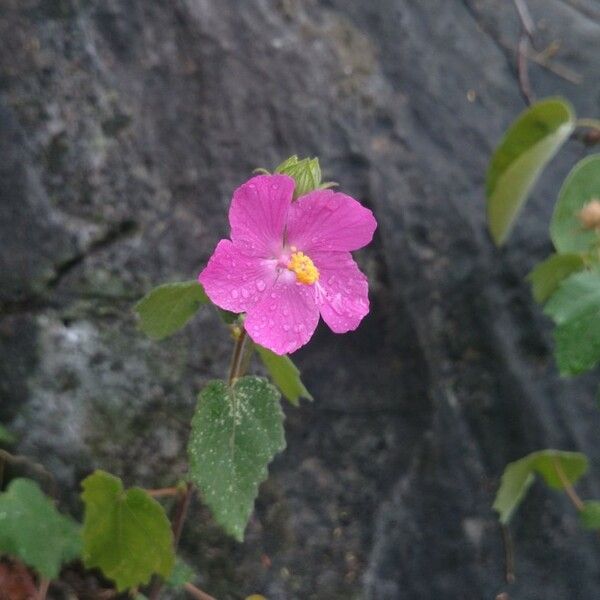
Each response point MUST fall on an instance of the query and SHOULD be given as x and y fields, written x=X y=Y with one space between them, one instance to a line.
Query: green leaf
x=581 y=186
x=285 y=375
x=6 y=437
x=236 y=432
x=519 y=475
x=547 y=275
x=32 y=530
x=182 y=573
x=575 y=307
x=590 y=515
x=306 y=173
x=527 y=147
x=167 y=308
x=126 y=534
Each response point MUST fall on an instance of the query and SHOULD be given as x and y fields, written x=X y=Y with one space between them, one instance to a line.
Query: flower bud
x=306 y=172
x=589 y=215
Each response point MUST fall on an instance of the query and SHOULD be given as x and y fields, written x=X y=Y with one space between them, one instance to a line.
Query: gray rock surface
x=124 y=128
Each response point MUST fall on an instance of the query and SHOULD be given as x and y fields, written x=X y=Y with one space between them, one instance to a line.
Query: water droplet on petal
x=260 y=285
x=234 y=294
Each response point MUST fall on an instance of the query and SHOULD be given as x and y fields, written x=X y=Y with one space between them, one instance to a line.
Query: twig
x=7 y=457
x=569 y=490
x=509 y=555
x=177 y=527
x=525 y=18
x=196 y=592
x=522 y=69
x=163 y=492
x=43 y=590
x=526 y=36
x=181 y=514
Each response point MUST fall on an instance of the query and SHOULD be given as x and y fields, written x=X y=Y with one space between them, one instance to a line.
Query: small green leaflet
x=581 y=186
x=32 y=530
x=575 y=308
x=285 y=375
x=126 y=534
x=236 y=432
x=6 y=437
x=547 y=275
x=167 y=308
x=527 y=147
x=182 y=573
x=519 y=475
x=590 y=515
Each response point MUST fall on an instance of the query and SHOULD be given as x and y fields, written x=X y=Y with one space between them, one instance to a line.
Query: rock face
x=124 y=128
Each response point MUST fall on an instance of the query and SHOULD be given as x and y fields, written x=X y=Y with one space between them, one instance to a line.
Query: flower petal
x=285 y=318
x=342 y=291
x=325 y=220
x=258 y=214
x=235 y=281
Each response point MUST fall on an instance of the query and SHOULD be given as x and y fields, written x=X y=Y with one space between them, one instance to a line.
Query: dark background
x=124 y=128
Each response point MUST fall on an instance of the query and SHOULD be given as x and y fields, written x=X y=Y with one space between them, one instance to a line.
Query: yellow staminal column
x=304 y=268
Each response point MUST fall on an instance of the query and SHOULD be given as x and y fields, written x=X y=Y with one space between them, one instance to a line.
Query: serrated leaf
x=6 y=437
x=547 y=275
x=236 y=432
x=589 y=516
x=285 y=375
x=580 y=187
x=32 y=529
x=519 y=475
x=181 y=574
x=575 y=308
x=167 y=308
x=527 y=147
x=126 y=534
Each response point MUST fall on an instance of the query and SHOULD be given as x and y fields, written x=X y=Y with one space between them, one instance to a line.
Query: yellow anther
x=303 y=266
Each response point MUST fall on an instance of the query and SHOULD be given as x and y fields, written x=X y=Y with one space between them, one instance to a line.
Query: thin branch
x=509 y=555
x=525 y=18
x=523 y=69
x=197 y=592
x=526 y=36
x=43 y=590
x=569 y=490
x=24 y=461
x=177 y=527
x=164 y=492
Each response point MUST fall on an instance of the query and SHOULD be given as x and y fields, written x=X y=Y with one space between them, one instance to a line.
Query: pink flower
x=287 y=262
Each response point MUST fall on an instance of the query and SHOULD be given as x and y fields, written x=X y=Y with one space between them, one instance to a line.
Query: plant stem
x=43 y=591
x=235 y=370
x=509 y=555
x=162 y=492
x=237 y=357
x=569 y=490
x=196 y=592
x=588 y=123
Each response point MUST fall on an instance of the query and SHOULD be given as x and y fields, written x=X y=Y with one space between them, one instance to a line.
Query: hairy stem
x=235 y=370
